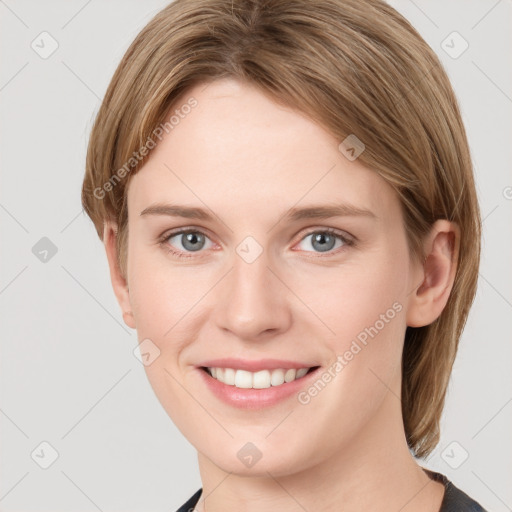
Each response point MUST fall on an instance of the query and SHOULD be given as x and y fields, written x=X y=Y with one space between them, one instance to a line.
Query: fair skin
x=247 y=160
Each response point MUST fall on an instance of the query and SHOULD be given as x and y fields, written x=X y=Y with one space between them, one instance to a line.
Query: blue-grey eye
x=322 y=241
x=191 y=241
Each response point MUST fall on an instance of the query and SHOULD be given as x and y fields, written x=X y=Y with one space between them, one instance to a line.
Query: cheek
x=160 y=295
x=360 y=299
x=364 y=306
x=162 y=302
x=370 y=314
x=369 y=322
x=170 y=305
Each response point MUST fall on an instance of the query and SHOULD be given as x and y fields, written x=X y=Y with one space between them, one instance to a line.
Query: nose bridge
x=252 y=300
x=250 y=276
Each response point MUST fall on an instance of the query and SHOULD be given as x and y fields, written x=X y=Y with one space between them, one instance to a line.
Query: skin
x=248 y=160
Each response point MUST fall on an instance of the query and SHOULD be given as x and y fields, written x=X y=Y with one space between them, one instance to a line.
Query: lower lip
x=250 y=398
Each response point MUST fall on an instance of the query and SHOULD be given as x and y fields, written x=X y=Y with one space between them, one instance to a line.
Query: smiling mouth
x=262 y=379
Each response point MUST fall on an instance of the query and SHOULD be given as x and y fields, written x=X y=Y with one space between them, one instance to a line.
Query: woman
x=285 y=194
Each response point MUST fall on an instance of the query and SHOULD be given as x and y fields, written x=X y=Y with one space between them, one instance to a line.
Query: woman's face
x=267 y=281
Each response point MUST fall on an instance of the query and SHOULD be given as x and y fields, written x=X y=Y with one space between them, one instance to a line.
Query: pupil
x=321 y=238
x=191 y=240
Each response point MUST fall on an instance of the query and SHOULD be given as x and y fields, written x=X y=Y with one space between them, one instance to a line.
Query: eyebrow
x=294 y=214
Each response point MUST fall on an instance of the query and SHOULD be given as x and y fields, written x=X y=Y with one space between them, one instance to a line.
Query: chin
x=246 y=459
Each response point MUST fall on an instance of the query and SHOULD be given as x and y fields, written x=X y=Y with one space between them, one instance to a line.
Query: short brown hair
x=356 y=67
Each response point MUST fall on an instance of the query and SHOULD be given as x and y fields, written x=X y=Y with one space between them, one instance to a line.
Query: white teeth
x=261 y=379
x=257 y=380
x=290 y=375
x=277 y=377
x=229 y=376
x=243 y=379
x=301 y=372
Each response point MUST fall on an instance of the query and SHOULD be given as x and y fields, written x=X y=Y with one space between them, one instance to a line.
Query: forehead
x=239 y=150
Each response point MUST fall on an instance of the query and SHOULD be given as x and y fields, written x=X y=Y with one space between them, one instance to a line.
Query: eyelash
x=163 y=239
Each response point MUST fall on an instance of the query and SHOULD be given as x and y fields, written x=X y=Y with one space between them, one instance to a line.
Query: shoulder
x=455 y=500
x=191 y=503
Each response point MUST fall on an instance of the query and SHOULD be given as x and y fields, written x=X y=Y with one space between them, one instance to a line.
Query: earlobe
x=119 y=283
x=437 y=275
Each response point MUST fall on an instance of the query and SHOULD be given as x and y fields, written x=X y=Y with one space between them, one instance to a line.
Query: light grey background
x=68 y=373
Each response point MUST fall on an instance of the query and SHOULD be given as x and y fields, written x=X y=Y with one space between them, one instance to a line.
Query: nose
x=252 y=302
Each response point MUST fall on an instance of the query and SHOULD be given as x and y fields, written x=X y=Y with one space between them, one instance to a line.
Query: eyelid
x=347 y=238
x=163 y=238
x=183 y=230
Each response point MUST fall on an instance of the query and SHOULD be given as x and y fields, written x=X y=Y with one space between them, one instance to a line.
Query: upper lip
x=254 y=365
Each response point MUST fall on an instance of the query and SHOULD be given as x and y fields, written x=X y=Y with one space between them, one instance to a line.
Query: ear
x=119 y=283
x=436 y=276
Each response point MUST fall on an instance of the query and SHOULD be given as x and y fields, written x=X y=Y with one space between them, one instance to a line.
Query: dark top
x=454 y=499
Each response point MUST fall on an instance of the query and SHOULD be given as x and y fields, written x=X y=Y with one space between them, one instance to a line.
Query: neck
x=375 y=471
